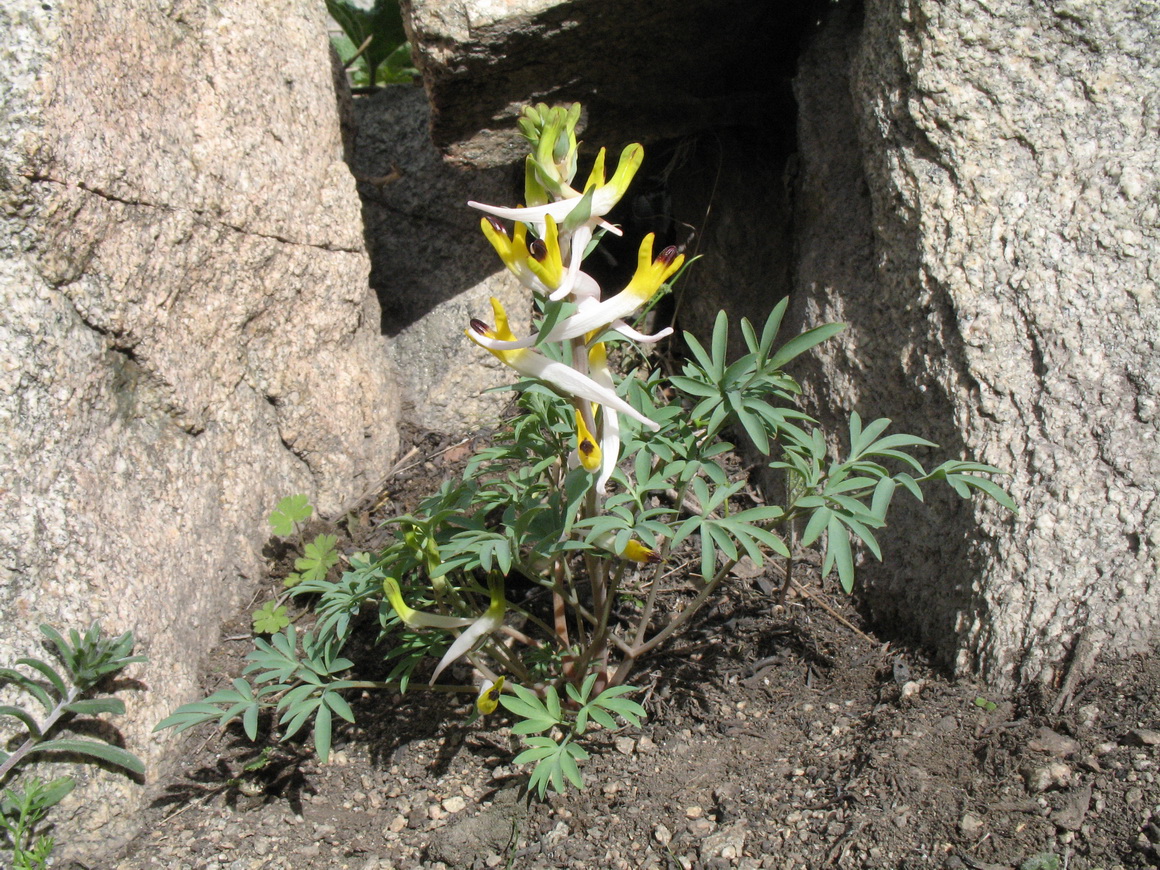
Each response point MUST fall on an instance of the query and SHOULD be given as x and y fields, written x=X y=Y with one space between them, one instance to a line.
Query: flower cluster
x=545 y=249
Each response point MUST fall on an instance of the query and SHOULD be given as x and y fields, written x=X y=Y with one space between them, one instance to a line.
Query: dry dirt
x=780 y=737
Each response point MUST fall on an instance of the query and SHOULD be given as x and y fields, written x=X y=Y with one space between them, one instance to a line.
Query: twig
x=832 y=612
x=358 y=54
x=1082 y=658
x=399 y=468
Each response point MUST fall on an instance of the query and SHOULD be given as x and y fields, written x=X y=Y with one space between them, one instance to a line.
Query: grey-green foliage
x=518 y=509
x=837 y=497
x=64 y=693
x=555 y=728
x=300 y=684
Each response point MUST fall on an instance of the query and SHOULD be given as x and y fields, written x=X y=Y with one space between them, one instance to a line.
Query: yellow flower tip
x=644 y=257
x=587 y=449
x=638 y=552
x=502 y=331
x=651 y=274
x=597 y=356
x=630 y=160
x=488 y=698
x=545 y=260
x=596 y=176
x=589 y=455
x=395 y=597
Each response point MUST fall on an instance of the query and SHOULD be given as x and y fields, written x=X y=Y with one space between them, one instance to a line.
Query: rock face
x=645 y=70
x=431 y=267
x=980 y=201
x=976 y=194
x=188 y=334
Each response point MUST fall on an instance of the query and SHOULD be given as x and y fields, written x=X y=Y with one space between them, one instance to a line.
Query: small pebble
x=971 y=826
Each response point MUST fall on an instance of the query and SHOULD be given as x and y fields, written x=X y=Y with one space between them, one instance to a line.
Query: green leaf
x=533 y=725
x=800 y=344
x=102 y=751
x=188 y=715
x=602 y=718
x=271 y=618
x=552 y=703
x=318 y=558
x=883 y=493
x=819 y=520
x=699 y=354
x=754 y=429
x=339 y=705
x=28 y=685
x=291 y=510
x=56 y=791
x=538 y=748
x=571 y=770
x=720 y=345
x=838 y=552
x=693 y=387
x=322 y=732
x=250 y=721
x=29 y=722
x=864 y=535
x=771 y=327
x=525 y=704
x=94 y=706
x=49 y=673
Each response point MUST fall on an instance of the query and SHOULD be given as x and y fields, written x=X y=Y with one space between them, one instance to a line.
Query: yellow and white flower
x=532 y=364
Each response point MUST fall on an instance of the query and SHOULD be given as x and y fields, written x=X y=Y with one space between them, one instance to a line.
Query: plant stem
x=47 y=725
x=678 y=619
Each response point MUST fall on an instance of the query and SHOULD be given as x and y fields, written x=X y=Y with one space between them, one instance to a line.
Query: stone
x=468 y=837
x=1143 y=737
x=1071 y=815
x=431 y=267
x=1041 y=777
x=1050 y=742
x=970 y=826
x=188 y=335
x=978 y=199
x=454 y=804
x=727 y=842
x=630 y=65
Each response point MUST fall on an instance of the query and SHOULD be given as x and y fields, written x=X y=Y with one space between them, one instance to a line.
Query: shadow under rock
x=424 y=241
x=245 y=771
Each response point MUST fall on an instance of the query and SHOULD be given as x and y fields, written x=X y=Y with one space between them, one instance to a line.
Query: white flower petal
x=573 y=383
x=628 y=332
x=478 y=630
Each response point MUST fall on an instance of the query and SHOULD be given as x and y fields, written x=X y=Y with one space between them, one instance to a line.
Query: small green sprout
x=270 y=618
x=318 y=559
x=288 y=517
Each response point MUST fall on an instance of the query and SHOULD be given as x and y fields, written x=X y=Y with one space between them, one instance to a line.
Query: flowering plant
x=545 y=566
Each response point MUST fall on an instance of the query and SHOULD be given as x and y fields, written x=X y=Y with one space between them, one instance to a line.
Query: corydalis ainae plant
x=545 y=566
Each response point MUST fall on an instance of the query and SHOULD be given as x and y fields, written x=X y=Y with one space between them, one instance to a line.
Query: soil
x=777 y=737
